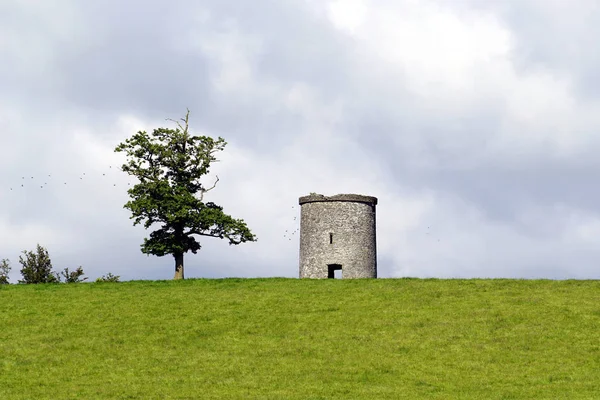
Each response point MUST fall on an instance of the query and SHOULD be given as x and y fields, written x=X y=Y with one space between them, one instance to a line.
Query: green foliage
x=108 y=278
x=4 y=271
x=73 y=276
x=37 y=267
x=169 y=164
x=302 y=339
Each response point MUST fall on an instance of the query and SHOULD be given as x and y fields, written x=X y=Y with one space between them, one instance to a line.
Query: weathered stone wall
x=338 y=230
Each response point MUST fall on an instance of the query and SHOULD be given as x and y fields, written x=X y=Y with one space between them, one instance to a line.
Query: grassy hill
x=301 y=339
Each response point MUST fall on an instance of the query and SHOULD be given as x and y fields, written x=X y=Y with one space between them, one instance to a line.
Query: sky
x=476 y=124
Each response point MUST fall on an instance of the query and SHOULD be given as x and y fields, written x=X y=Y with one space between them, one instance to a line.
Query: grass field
x=301 y=339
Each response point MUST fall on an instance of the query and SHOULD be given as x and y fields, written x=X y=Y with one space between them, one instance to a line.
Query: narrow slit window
x=331 y=238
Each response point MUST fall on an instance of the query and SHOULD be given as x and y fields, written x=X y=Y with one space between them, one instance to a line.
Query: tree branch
x=186 y=119
x=196 y=232
x=232 y=241
x=220 y=236
x=202 y=191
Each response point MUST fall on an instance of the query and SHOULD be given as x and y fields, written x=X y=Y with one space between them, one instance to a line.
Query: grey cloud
x=560 y=36
x=137 y=57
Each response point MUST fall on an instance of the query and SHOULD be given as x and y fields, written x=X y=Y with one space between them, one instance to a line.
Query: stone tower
x=338 y=232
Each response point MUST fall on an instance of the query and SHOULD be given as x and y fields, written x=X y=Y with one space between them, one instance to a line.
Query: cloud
x=474 y=123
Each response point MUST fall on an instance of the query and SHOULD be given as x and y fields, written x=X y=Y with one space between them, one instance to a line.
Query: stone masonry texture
x=338 y=230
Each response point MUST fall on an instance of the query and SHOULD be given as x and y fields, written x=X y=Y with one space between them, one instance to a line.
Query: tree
x=73 y=276
x=4 y=271
x=108 y=278
x=37 y=267
x=169 y=164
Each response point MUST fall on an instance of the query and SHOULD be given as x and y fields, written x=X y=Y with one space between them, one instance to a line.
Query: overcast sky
x=475 y=124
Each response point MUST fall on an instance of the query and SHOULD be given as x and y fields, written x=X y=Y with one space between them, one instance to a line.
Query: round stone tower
x=338 y=233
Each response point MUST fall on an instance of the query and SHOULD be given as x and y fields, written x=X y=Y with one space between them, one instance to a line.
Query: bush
x=4 y=270
x=108 y=278
x=73 y=276
x=37 y=267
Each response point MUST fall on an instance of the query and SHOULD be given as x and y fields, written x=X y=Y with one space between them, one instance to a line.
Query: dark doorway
x=331 y=271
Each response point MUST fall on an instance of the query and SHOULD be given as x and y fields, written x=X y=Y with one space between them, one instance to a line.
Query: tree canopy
x=169 y=164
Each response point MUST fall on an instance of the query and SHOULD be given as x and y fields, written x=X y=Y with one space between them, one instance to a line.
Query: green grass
x=301 y=339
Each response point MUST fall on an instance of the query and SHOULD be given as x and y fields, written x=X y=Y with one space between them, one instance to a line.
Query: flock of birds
x=31 y=181
x=289 y=233
x=36 y=181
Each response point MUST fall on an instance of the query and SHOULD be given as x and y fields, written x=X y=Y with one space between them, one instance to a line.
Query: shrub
x=4 y=270
x=108 y=278
x=37 y=267
x=73 y=276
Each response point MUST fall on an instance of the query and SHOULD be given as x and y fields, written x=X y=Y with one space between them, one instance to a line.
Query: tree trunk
x=178 y=266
